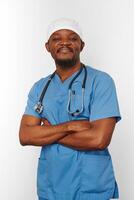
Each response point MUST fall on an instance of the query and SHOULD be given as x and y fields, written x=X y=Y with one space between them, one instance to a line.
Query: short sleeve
x=31 y=101
x=104 y=102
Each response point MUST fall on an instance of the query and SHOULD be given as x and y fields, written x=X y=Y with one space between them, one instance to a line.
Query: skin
x=72 y=45
x=65 y=47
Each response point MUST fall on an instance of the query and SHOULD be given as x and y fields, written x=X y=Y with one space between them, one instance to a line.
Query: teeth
x=64 y=49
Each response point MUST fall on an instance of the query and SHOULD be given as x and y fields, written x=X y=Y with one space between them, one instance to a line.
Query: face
x=65 y=47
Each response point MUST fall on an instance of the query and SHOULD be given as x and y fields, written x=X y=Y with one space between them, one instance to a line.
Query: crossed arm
x=80 y=134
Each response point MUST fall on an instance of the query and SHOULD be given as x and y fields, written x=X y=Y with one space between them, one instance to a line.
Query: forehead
x=64 y=32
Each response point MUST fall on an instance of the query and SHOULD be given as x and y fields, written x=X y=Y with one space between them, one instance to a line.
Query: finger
x=45 y=122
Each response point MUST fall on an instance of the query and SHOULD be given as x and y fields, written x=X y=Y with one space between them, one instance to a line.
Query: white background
x=108 y=28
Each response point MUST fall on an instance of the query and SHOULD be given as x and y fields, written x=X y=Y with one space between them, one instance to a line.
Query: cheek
x=78 y=47
x=77 y=50
x=53 y=51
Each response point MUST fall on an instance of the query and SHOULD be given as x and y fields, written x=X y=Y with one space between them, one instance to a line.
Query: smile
x=64 y=50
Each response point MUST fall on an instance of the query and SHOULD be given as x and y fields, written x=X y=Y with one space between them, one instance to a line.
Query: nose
x=65 y=42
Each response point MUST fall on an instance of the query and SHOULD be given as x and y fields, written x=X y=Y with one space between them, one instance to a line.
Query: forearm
x=42 y=135
x=81 y=140
x=96 y=137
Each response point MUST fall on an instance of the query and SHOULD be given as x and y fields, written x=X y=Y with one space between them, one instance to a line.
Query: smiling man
x=72 y=114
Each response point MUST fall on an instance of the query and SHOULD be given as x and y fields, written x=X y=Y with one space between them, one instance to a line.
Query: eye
x=74 y=38
x=55 y=39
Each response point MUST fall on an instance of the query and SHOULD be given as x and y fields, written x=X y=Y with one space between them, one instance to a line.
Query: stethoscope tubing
x=39 y=106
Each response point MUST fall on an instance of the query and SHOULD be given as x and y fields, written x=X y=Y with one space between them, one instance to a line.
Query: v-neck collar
x=57 y=77
x=62 y=87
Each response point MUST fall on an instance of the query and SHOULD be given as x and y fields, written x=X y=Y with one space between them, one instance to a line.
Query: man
x=74 y=126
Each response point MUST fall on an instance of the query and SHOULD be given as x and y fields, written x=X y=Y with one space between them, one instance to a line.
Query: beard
x=67 y=63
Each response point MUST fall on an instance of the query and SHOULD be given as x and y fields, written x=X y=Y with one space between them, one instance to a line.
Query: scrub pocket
x=77 y=105
x=97 y=174
x=58 y=177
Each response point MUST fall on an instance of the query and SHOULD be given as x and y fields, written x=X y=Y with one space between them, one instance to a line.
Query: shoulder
x=38 y=86
x=41 y=81
x=99 y=76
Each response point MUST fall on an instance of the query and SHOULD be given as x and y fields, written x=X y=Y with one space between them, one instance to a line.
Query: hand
x=45 y=122
x=72 y=126
x=78 y=125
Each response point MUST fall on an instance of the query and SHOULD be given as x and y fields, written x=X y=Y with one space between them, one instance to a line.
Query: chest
x=58 y=103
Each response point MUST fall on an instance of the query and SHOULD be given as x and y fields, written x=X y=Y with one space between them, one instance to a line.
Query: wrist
x=66 y=127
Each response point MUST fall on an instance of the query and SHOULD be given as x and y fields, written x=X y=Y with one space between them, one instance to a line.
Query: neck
x=64 y=73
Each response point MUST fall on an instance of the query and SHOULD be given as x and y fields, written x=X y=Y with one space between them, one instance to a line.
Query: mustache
x=70 y=49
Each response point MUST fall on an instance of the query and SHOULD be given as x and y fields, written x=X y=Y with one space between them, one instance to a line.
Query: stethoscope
x=39 y=106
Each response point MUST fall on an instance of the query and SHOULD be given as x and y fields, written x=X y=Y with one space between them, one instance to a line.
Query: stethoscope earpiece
x=75 y=113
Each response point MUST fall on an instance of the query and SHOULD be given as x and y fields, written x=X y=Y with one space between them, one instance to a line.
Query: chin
x=65 y=62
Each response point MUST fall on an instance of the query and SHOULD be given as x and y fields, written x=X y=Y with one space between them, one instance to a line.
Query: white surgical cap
x=64 y=23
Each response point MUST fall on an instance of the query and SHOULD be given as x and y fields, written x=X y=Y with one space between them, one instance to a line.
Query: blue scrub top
x=65 y=173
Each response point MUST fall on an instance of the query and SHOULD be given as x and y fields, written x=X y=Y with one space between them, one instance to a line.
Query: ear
x=82 y=45
x=47 y=46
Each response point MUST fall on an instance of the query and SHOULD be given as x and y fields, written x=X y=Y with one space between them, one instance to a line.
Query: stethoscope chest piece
x=39 y=108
